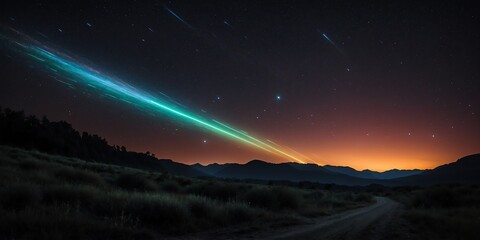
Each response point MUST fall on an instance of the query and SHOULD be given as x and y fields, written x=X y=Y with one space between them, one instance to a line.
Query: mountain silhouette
x=177 y=168
x=369 y=174
x=210 y=169
x=261 y=170
x=465 y=170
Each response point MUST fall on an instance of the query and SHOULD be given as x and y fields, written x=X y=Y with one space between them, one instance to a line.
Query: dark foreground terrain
x=45 y=196
x=365 y=223
x=439 y=212
x=53 y=197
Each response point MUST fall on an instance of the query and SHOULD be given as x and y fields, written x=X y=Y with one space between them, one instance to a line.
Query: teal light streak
x=71 y=70
x=36 y=58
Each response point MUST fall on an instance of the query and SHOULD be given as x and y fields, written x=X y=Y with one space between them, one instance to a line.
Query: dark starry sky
x=398 y=86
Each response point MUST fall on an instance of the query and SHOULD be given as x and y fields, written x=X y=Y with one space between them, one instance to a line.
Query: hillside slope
x=465 y=170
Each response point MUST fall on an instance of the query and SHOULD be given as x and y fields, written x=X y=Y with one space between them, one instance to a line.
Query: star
x=227 y=24
x=204 y=141
x=278 y=97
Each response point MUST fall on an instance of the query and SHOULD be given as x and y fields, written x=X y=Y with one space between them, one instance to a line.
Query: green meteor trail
x=73 y=72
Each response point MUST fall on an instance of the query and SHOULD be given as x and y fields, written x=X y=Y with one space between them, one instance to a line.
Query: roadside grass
x=443 y=212
x=52 y=197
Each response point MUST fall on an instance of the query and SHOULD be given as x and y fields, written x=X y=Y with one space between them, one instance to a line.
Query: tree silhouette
x=61 y=138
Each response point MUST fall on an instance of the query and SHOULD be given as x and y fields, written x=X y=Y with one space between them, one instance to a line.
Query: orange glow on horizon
x=368 y=139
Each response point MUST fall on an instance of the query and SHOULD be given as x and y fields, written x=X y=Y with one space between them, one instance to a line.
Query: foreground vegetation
x=442 y=212
x=52 y=197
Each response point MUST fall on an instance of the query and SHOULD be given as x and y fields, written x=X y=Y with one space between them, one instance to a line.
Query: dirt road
x=365 y=223
x=377 y=221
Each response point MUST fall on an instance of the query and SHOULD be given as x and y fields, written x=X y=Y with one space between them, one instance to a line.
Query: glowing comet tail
x=73 y=72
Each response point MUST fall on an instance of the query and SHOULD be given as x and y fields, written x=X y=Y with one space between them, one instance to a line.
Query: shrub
x=218 y=191
x=201 y=207
x=260 y=197
x=76 y=176
x=59 y=222
x=287 y=198
x=40 y=177
x=156 y=210
x=184 y=181
x=71 y=194
x=135 y=182
x=29 y=165
x=440 y=197
x=8 y=175
x=277 y=198
x=363 y=197
x=170 y=186
x=315 y=195
x=236 y=212
x=19 y=196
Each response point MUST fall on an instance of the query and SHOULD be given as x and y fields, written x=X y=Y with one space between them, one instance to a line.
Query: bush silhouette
x=18 y=196
x=135 y=182
x=77 y=176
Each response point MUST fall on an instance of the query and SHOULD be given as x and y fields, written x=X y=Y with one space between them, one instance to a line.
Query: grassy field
x=442 y=212
x=53 y=197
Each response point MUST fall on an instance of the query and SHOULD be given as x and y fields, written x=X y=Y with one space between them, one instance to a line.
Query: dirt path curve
x=364 y=223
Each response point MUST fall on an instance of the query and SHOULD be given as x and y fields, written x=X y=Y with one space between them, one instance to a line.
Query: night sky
x=368 y=84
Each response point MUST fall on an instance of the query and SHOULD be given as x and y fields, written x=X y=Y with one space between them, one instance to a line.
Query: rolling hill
x=369 y=174
x=261 y=170
x=465 y=170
